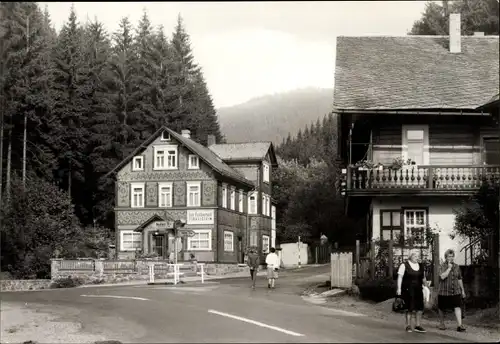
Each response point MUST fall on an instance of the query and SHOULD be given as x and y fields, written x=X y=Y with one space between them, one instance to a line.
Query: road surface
x=224 y=311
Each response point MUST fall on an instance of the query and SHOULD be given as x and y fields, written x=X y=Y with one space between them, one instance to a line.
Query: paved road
x=223 y=311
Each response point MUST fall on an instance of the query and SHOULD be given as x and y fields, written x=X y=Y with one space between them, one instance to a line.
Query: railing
x=422 y=177
x=77 y=265
x=119 y=266
x=478 y=250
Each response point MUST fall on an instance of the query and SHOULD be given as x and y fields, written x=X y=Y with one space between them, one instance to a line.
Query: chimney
x=455 y=34
x=478 y=33
x=210 y=140
x=186 y=133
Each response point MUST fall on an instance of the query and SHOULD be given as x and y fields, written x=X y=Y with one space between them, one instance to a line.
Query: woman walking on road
x=253 y=263
x=411 y=280
x=273 y=264
x=451 y=290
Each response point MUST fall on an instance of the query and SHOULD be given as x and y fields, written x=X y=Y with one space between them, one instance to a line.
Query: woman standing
x=411 y=280
x=451 y=290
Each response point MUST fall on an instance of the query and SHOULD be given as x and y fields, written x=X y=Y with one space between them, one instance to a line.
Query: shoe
x=461 y=329
x=408 y=329
x=419 y=329
x=269 y=286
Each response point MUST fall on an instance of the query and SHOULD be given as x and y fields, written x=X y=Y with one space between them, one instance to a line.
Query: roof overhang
x=440 y=112
x=152 y=219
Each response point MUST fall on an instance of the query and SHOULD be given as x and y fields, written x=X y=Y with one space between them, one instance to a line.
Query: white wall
x=441 y=218
x=290 y=254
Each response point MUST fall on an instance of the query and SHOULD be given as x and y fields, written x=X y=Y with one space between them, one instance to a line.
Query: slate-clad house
x=221 y=192
x=417 y=100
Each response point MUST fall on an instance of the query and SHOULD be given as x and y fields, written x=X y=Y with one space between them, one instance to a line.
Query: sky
x=251 y=49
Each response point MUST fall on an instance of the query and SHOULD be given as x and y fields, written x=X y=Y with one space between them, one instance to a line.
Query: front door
x=491 y=151
x=159 y=245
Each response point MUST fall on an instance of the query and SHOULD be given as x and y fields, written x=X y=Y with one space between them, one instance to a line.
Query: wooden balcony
x=421 y=180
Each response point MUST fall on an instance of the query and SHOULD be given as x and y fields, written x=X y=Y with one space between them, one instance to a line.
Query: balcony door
x=491 y=151
x=415 y=148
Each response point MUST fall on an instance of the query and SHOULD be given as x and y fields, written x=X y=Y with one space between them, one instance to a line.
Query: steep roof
x=243 y=151
x=203 y=152
x=415 y=72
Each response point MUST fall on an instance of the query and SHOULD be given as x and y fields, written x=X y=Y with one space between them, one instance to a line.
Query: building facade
x=223 y=208
x=412 y=135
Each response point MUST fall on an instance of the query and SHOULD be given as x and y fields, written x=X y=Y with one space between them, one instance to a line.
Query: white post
x=176 y=272
x=151 y=273
x=202 y=273
x=298 y=244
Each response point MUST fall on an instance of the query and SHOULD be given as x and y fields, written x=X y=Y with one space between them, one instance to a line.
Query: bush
x=377 y=290
x=66 y=282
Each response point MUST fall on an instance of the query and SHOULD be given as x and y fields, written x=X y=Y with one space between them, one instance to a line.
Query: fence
x=341 y=270
x=322 y=253
x=176 y=271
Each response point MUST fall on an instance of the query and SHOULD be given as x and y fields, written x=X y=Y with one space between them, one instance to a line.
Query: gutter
x=412 y=112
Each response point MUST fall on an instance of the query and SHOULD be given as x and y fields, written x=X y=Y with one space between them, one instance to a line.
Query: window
x=252 y=203
x=416 y=144
x=228 y=241
x=138 y=163
x=194 y=162
x=165 y=136
x=491 y=147
x=194 y=194
x=253 y=239
x=224 y=196
x=240 y=201
x=232 y=199
x=137 y=195
x=266 y=172
x=201 y=241
x=165 y=157
x=130 y=240
x=263 y=204
x=265 y=243
x=415 y=226
x=165 y=195
x=390 y=226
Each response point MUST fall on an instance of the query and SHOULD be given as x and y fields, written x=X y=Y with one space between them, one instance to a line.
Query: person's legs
x=254 y=277
x=418 y=318
x=408 y=321
x=442 y=326
x=458 y=316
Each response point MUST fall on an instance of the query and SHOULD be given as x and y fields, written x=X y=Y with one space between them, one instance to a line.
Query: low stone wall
x=117 y=271
x=22 y=285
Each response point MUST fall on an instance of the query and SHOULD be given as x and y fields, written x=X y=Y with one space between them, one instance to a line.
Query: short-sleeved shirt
x=449 y=286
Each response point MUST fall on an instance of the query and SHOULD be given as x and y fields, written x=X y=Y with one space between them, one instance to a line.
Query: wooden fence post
x=391 y=259
x=435 y=261
x=316 y=251
x=358 y=267
x=372 y=259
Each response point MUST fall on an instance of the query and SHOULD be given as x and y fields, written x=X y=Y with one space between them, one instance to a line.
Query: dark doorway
x=159 y=243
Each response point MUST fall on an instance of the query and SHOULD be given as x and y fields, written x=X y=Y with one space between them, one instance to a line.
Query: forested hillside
x=273 y=117
x=73 y=104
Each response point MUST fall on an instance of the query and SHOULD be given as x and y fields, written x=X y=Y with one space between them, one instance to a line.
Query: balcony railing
x=422 y=177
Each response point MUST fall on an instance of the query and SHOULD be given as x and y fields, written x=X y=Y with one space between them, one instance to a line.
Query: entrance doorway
x=159 y=245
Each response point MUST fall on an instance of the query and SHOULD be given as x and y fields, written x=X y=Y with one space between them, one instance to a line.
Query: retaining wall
x=21 y=285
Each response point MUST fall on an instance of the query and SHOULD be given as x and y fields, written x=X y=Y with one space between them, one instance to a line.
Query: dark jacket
x=253 y=260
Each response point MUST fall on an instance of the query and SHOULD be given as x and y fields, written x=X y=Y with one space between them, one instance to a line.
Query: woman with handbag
x=411 y=280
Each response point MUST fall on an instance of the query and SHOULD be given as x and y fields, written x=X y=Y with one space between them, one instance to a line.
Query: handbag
x=398 y=305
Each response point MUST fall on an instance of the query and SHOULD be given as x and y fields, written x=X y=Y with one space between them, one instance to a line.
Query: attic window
x=165 y=136
x=194 y=162
x=138 y=163
x=266 y=175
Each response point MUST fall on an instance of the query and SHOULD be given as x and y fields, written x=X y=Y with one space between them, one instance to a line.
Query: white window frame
x=165 y=138
x=252 y=205
x=264 y=201
x=160 y=193
x=135 y=186
x=409 y=227
x=134 y=236
x=191 y=239
x=134 y=160
x=228 y=241
x=266 y=175
x=188 y=185
x=254 y=239
x=224 y=196
x=240 y=202
x=165 y=148
x=232 y=199
x=192 y=166
x=425 y=129
x=264 y=239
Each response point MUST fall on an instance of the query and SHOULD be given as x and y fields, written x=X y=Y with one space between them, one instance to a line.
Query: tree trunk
x=24 y=148
x=9 y=166
x=69 y=180
x=1 y=156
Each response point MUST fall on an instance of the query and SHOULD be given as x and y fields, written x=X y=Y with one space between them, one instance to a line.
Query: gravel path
x=22 y=323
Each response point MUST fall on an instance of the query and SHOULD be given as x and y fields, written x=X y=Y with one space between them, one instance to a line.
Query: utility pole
x=25 y=129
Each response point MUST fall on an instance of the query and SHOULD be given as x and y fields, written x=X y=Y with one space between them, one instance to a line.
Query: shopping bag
x=398 y=305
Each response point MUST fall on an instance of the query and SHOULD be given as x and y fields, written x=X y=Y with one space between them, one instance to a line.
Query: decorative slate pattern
x=209 y=192
x=138 y=217
x=254 y=222
x=163 y=175
x=237 y=151
x=415 y=72
x=179 y=194
x=151 y=194
x=123 y=194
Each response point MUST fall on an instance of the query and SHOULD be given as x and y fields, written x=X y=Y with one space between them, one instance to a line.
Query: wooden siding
x=449 y=144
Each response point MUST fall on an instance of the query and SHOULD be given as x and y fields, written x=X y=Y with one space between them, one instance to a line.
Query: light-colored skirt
x=272 y=273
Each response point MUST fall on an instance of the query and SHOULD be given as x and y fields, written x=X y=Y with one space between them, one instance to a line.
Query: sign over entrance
x=186 y=233
x=200 y=217
x=163 y=225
